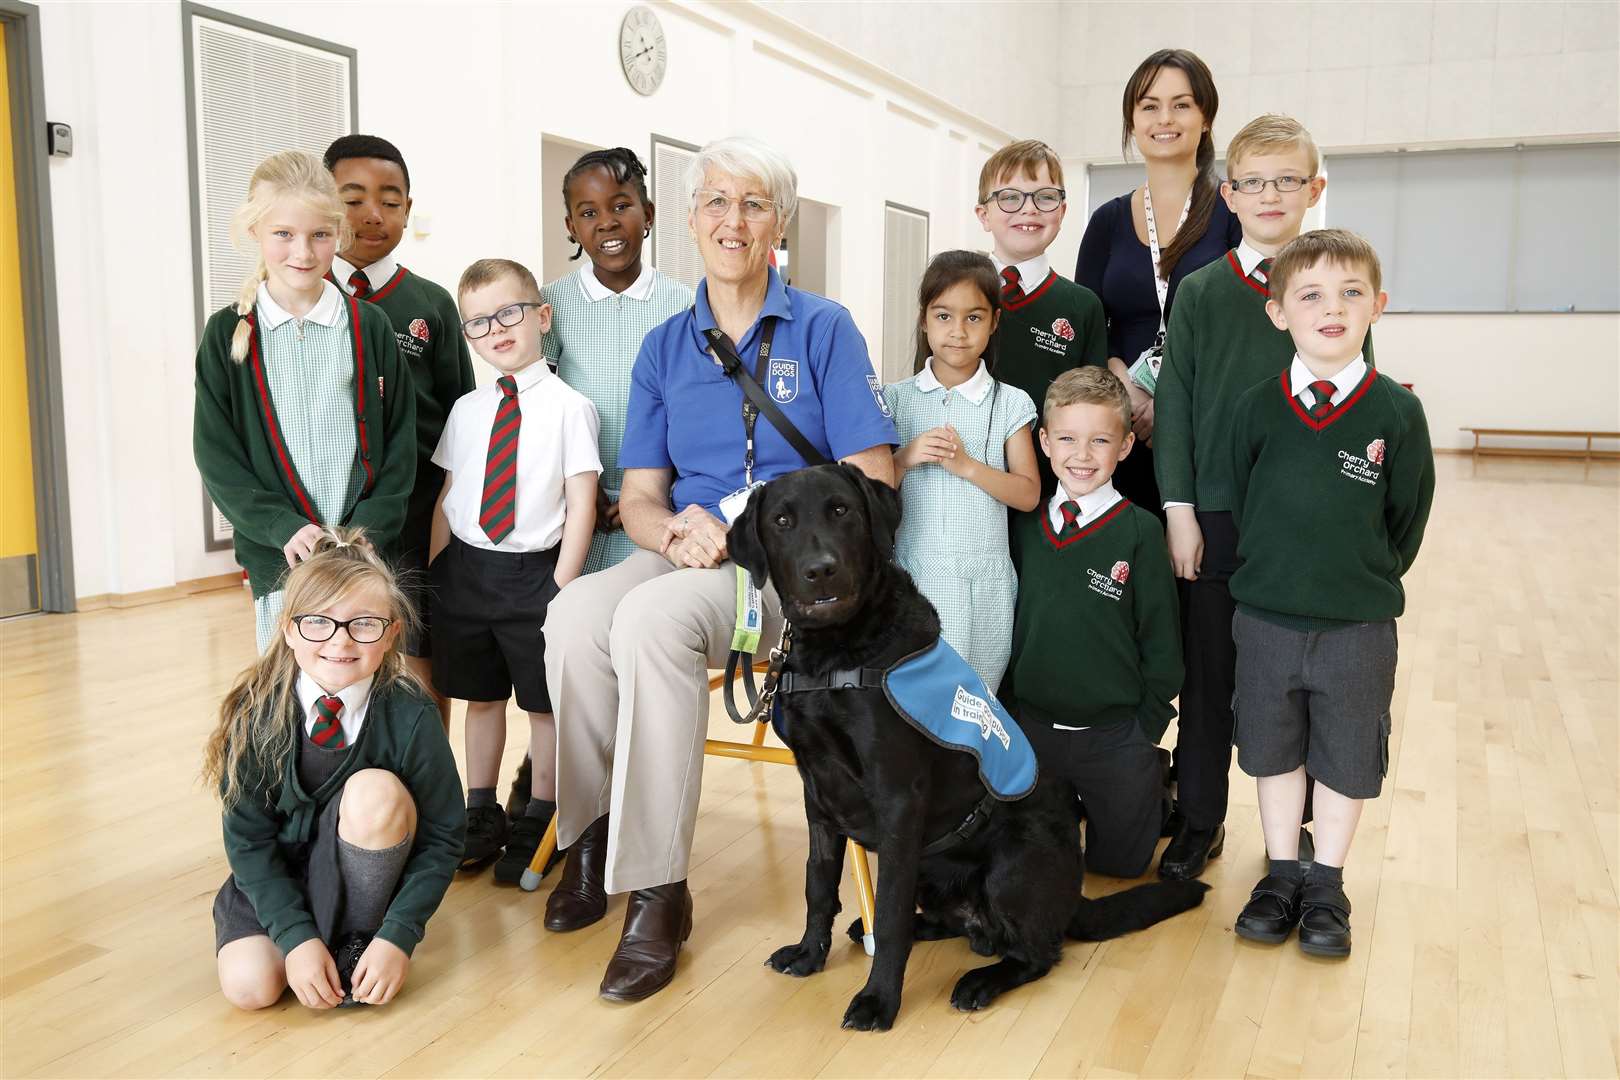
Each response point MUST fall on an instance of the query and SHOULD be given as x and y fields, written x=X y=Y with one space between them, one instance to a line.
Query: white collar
x=1348 y=378
x=530 y=377
x=1030 y=273
x=977 y=385
x=353 y=696
x=1091 y=505
x=378 y=273
x=594 y=290
x=1248 y=258
x=327 y=310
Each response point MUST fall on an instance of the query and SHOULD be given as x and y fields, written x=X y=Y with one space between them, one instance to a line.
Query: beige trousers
x=627 y=656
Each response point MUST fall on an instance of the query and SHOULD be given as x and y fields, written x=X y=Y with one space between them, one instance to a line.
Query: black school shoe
x=1186 y=856
x=346 y=954
x=1324 y=921
x=1272 y=911
x=524 y=841
x=487 y=832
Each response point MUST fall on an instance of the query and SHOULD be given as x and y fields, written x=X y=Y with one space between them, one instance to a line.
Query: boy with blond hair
x=1332 y=481
x=1049 y=324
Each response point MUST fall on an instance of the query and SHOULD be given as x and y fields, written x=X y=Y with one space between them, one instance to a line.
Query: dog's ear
x=747 y=548
x=882 y=509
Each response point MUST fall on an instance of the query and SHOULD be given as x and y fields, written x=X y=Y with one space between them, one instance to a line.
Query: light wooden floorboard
x=1484 y=880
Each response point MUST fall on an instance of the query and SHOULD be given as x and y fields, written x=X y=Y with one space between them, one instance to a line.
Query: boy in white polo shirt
x=512 y=527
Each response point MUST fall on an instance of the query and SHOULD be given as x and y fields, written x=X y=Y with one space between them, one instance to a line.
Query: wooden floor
x=1484 y=881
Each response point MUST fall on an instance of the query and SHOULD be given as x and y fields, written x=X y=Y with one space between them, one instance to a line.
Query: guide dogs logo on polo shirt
x=1366 y=469
x=876 y=386
x=1111 y=584
x=784 y=380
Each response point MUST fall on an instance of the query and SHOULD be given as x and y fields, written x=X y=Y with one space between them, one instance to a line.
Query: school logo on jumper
x=876 y=386
x=419 y=329
x=1054 y=340
x=1063 y=329
x=972 y=709
x=784 y=380
x=1111 y=584
x=1367 y=469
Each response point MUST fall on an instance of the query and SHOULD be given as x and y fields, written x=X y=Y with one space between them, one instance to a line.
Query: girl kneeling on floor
x=342 y=808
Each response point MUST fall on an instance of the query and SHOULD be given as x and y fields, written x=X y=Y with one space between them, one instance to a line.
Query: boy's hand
x=302 y=544
x=1186 y=541
x=607 y=512
x=935 y=445
x=313 y=975
x=380 y=972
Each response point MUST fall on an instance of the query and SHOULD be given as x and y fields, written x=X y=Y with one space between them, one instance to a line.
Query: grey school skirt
x=313 y=865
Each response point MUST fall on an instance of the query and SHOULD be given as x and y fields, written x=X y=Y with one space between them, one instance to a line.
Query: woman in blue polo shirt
x=628 y=648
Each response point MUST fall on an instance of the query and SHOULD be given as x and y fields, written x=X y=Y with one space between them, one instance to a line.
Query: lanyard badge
x=745 y=639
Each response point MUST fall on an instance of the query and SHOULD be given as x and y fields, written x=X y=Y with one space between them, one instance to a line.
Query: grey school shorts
x=1318 y=698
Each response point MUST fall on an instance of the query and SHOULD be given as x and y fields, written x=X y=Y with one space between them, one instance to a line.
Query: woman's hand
x=1186 y=542
x=302 y=544
x=1141 y=412
x=380 y=972
x=313 y=975
x=695 y=538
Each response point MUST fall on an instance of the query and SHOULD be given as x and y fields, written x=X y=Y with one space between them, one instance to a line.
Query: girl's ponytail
x=244 y=308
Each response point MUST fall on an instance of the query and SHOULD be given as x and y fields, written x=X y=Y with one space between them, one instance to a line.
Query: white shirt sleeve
x=581 y=426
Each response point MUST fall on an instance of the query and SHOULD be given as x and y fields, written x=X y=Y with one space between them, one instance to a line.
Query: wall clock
x=643 y=52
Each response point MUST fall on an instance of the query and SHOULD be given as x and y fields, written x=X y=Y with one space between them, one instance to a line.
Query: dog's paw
x=857 y=932
x=797 y=960
x=869 y=1012
x=982 y=945
x=974 y=991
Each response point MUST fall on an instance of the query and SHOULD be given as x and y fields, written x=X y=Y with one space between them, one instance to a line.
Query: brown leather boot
x=656 y=922
x=579 y=899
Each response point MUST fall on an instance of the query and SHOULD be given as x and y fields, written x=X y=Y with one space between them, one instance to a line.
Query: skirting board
x=158 y=596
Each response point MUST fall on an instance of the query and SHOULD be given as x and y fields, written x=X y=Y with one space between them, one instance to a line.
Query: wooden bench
x=1586 y=453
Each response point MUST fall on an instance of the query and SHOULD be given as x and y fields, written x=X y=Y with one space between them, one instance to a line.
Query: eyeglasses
x=362 y=631
x=1011 y=200
x=510 y=315
x=1254 y=185
x=717 y=204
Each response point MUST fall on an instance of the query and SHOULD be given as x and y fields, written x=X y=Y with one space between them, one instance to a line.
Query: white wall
x=1367 y=76
x=468 y=98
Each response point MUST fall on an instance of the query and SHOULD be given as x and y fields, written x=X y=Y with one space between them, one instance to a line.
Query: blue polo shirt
x=686 y=414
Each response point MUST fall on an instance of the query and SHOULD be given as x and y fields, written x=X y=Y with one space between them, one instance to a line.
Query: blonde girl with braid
x=305 y=415
x=342 y=808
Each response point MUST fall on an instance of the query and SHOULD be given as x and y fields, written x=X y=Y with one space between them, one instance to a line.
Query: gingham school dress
x=310 y=369
x=953 y=535
x=594 y=339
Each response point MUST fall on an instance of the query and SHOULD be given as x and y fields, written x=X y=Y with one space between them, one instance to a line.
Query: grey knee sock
x=369 y=876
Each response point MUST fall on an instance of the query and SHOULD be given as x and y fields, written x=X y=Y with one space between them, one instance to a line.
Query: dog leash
x=759 y=698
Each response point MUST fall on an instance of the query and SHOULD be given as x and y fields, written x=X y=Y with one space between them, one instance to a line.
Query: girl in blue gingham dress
x=965 y=456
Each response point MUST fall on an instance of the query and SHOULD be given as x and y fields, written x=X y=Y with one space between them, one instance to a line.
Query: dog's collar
x=793 y=682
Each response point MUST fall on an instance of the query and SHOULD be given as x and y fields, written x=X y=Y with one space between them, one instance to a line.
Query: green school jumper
x=1097 y=637
x=427 y=328
x=1330 y=511
x=1219 y=342
x=402 y=733
x=242 y=454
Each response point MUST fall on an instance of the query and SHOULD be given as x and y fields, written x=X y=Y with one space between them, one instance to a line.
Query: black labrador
x=1011 y=884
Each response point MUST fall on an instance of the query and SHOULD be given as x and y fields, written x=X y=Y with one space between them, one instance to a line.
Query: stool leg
x=759 y=733
x=862 y=870
x=542 y=855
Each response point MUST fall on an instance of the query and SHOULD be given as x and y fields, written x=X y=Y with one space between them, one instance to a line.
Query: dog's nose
x=819 y=569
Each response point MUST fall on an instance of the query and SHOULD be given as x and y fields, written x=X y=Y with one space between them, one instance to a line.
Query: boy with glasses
x=1048 y=323
x=512 y=527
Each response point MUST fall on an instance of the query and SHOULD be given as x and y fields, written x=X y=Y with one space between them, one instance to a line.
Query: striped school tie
x=1262 y=272
x=1322 y=390
x=328 y=732
x=1012 y=291
x=360 y=284
x=1071 y=519
x=497 y=514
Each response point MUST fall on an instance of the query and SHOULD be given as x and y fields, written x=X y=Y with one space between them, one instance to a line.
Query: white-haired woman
x=627 y=649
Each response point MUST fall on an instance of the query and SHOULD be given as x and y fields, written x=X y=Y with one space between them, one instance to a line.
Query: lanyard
x=1160 y=285
x=750 y=413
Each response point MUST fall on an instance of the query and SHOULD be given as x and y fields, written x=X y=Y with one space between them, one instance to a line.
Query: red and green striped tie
x=1322 y=390
x=1012 y=290
x=328 y=732
x=498 y=512
x=1071 y=519
x=1262 y=272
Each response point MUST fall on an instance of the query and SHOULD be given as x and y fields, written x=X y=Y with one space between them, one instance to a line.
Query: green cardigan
x=244 y=462
x=403 y=734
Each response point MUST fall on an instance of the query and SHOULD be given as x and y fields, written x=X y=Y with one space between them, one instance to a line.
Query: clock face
x=643 y=52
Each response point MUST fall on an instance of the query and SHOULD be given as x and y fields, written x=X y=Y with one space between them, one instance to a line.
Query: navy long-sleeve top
x=1118 y=267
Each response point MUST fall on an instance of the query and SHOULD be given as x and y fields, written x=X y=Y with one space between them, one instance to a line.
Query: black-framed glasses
x=362 y=630
x=510 y=315
x=1011 y=200
x=1254 y=185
